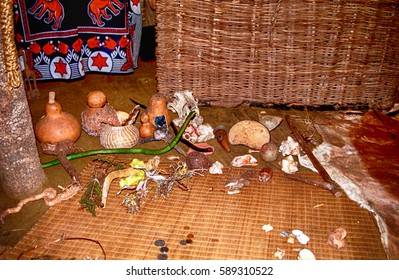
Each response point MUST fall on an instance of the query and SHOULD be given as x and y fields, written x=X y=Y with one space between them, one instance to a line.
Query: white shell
x=289 y=147
x=279 y=254
x=216 y=168
x=297 y=232
x=303 y=239
x=119 y=136
x=245 y=160
x=306 y=254
x=300 y=236
x=271 y=122
x=267 y=227
x=289 y=165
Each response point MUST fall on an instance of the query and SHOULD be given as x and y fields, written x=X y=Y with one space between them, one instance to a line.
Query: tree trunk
x=21 y=174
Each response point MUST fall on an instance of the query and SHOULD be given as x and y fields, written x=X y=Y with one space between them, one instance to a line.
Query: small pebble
x=190 y=236
x=189 y=241
x=291 y=239
x=162 y=257
x=164 y=250
x=267 y=228
x=182 y=242
x=160 y=243
x=284 y=233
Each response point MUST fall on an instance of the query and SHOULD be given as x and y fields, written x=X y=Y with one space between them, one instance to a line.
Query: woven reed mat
x=221 y=226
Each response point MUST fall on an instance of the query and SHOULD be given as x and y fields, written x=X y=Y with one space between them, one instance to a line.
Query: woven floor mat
x=220 y=226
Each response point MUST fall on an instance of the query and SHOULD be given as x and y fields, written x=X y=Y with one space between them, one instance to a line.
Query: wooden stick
x=332 y=185
x=323 y=184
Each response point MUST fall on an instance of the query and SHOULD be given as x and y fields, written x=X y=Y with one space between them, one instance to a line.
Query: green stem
x=143 y=151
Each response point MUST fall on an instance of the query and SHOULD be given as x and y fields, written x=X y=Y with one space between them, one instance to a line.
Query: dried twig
x=63 y=238
x=329 y=183
x=49 y=195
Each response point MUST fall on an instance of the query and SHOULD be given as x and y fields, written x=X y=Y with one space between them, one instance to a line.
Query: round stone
x=164 y=250
x=160 y=243
x=162 y=257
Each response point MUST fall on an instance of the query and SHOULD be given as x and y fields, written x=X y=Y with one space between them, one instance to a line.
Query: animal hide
x=360 y=153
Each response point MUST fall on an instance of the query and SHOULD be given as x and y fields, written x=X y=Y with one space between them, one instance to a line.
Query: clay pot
x=56 y=126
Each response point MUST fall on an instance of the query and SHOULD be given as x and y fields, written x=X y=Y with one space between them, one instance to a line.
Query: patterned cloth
x=64 y=39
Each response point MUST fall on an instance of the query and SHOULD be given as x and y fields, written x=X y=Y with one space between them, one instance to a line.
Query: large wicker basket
x=280 y=52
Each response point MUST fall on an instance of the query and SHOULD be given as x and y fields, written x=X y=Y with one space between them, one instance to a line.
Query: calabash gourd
x=56 y=125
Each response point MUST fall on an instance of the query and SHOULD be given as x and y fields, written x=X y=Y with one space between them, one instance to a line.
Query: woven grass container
x=284 y=52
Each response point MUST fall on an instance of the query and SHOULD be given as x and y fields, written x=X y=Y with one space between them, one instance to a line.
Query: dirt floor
x=139 y=86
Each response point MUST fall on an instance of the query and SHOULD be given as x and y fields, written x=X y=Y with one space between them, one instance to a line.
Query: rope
x=9 y=46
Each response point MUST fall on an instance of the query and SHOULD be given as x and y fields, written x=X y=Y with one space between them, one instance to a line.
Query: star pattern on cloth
x=60 y=67
x=99 y=61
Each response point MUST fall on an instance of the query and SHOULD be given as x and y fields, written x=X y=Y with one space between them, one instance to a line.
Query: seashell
x=289 y=165
x=306 y=254
x=289 y=147
x=122 y=116
x=172 y=157
x=303 y=239
x=297 y=232
x=267 y=228
x=271 y=122
x=279 y=254
x=119 y=136
x=235 y=185
x=245 y=160
x=249 y=133
x=291 y=239
x=198 y=133
x=336 y=238
x=216 y=168
x=300 y=236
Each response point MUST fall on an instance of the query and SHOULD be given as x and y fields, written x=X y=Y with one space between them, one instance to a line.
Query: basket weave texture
x=285 y=52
